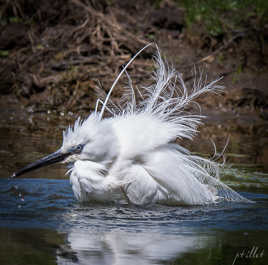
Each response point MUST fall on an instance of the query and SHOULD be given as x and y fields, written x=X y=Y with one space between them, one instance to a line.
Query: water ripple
x=50 y=203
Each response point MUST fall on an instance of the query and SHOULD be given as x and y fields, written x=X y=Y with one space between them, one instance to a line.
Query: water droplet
x=21 y=197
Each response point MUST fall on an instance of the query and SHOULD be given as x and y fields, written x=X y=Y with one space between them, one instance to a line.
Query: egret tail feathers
x=188 y=180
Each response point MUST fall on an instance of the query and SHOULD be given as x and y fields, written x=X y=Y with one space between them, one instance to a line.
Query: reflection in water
x=120 y=234
x=41 y=223
x=118 y=247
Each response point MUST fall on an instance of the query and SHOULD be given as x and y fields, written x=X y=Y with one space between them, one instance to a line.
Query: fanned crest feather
x=146 y=130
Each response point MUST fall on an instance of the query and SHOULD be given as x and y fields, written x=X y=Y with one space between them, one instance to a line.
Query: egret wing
x=187 y=180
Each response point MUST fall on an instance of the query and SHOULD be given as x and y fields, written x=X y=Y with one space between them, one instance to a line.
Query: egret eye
x=78 y=148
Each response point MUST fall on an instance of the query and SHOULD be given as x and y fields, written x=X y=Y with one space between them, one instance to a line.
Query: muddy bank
x=63 y=55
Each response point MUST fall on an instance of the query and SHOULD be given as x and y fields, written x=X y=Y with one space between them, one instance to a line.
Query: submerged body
x=132 y=155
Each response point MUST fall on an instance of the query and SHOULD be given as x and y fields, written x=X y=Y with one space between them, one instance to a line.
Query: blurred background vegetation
x=54 y=50
x=228 y=16
x=58 y=57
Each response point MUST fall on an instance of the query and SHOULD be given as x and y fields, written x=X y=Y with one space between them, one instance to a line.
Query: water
x=42 y=223
x=39 y=217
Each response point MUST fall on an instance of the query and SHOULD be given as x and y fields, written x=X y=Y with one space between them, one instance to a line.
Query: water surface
x=42 y=223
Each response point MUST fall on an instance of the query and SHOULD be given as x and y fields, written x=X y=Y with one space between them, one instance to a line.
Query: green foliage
x=219 y=16
x=4 y=53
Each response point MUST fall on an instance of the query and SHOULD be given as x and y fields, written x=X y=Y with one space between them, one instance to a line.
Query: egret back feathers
x=132 y=155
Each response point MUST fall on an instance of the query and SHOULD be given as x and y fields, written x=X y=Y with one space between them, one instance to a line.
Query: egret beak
x=58 y=156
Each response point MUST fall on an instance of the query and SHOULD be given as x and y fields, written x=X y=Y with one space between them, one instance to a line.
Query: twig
x=222 y=47
x=216 y=51
x=110 y=23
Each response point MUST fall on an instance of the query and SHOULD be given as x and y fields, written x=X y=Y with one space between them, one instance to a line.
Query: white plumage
x=132 y=155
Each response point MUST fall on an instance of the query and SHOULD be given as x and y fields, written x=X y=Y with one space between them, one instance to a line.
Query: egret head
x=91 y=139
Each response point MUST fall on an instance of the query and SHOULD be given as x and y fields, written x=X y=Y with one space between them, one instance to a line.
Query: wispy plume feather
x=146 y=127
x=167 y=100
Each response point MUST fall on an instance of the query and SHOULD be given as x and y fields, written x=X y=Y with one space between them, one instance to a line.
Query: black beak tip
x=47 y=160
x=13 y=176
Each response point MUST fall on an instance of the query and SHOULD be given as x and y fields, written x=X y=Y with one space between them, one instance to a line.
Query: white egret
x=132 y=155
